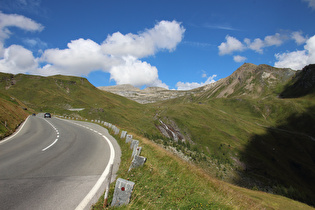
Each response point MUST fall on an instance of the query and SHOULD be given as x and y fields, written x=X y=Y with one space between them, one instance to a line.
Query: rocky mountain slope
x=147 y=95
x=302 y=84
x=249 y=80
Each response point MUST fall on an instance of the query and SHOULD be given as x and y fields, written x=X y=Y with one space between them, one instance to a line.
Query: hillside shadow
x=302 y=84
x=282 y=161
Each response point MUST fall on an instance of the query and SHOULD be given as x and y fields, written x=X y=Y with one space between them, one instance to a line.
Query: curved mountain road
x=54 y=164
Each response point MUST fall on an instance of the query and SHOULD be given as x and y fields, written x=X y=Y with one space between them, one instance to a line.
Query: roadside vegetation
x=169 y=182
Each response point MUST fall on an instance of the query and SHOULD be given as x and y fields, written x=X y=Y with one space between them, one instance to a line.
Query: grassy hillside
x=254 y=143
x=57 y=94
x=237 y=130
x=12 y=111
x=251 y=138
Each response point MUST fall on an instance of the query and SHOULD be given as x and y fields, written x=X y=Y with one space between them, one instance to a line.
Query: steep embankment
x=12 y=111
x=12 y=114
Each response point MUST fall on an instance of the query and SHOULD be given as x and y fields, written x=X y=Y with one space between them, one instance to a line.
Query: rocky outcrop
x=249 y=80
x=147 y=95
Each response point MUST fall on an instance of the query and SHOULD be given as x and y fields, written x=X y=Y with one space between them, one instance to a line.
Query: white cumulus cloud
x=119 y=54
x=298 y=37
x=297 y=59
x=274 y=40
x=232 y=44
x=239 y=59
x=193 y=85
x=14 y=20
x=258 y=44
x=17 y=59
x=80 y=58
x=164 y=35
x=136 y=72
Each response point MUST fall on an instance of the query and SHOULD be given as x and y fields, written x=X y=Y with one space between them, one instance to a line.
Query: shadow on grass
x=282 y=161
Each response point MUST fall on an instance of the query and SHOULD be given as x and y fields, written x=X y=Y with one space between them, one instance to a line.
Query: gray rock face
x=148 y=95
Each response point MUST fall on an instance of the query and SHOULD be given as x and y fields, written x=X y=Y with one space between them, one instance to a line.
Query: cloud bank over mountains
x=121 y=55
x=299 y=58
x=295 y=60
x=118 y=55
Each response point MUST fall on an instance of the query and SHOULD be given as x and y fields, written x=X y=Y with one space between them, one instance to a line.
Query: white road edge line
x=10 y=137
x=102 y=178
x=100 y=181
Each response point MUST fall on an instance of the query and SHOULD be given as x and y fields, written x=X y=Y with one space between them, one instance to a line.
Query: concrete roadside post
x=134 y=148
x=122 y=193
x=123 y=134
x=128 y=138
x=117 y=131
x=138 y=151
x=137 y=162
x=133 y=143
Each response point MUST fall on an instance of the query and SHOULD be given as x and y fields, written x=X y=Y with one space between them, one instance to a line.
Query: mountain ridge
x=145 y=96
x=248 y=80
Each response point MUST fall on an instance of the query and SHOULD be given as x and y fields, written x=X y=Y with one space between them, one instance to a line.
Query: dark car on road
x=47 y=115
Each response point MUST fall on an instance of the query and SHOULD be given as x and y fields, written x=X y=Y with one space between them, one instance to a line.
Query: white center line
x=50 y=145
x=57 y=132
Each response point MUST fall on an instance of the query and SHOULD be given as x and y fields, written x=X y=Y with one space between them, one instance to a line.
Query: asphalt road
x=53 y=164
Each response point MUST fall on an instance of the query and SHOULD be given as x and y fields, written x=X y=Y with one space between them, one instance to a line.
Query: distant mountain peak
x=123 y=87
x=147 y=95
x=248 y=80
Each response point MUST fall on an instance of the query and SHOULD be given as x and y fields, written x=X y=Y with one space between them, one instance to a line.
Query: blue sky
x=177 y=44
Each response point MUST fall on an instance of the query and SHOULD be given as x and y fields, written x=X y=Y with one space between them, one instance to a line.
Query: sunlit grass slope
x=57 y=94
